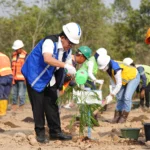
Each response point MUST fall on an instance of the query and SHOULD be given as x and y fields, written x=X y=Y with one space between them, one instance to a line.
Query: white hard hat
x=102 y=61
x=73 y=32
x=102 y=51
x=17 y=44
x=128 y=61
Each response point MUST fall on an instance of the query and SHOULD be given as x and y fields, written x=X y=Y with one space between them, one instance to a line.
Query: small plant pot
x=147 y=131
x=135 y=104
x=131 y=133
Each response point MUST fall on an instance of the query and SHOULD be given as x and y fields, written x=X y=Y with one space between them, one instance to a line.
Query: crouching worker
x=144 y=86
x=90 y=65
x=124 y=80
x=50 y=54
x=82 y=54
x=5 y=82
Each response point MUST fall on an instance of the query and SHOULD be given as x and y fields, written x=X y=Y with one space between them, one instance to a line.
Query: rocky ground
x=17 y=132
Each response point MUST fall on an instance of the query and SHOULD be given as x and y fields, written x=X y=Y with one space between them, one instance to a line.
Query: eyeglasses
x=70 y=43
x=79 y=53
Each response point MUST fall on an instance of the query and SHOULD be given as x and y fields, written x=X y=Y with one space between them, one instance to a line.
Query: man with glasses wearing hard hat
x=40 y=69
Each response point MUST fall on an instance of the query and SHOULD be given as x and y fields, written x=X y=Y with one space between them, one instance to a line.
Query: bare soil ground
x=17 y=129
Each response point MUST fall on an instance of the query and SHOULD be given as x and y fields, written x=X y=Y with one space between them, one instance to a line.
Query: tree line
x=120 y=29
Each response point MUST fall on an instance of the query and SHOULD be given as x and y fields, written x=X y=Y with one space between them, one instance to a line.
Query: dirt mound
x=2 y=130
x=28 y=120
x=10 y=124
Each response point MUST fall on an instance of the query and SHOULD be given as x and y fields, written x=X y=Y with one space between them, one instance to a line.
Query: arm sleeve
x=90 y=70
x=48 y=46
x=118 y=86
x=142 y=76
x=112 y=83
x=69 y=58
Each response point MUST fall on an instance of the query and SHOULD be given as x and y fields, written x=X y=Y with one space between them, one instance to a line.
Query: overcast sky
x=134 y=3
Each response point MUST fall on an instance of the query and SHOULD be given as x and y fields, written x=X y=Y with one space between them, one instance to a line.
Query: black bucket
x=147 y=131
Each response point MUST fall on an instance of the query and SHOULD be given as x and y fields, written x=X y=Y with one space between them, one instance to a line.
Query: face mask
x=105 y=69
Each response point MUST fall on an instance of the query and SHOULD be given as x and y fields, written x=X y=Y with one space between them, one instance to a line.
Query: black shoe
x=60 y=136
x=42 y=139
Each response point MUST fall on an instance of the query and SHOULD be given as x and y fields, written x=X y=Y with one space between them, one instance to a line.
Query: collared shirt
x=48 y=47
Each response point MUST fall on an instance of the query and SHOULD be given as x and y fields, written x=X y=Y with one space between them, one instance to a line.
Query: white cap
x=128 y=61
x=17 y=44
x=73 y=32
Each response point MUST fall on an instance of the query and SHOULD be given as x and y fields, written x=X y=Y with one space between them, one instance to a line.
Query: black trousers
x=147 y=96
x=44 y=105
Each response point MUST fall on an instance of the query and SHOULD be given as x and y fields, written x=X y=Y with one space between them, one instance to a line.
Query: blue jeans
x=5 y=86
x=18 y=93
x=124 y=96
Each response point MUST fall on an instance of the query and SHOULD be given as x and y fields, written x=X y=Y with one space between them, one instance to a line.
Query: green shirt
x=85 y=66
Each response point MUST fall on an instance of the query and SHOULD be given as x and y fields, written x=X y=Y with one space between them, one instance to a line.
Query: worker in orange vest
x=19 y=86
x=5 y=82
x=147 y=39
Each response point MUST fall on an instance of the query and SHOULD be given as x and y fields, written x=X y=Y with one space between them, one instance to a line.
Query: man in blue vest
x=41 y=70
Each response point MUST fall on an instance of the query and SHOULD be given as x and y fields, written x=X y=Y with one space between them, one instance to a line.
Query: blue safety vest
x=37 y=73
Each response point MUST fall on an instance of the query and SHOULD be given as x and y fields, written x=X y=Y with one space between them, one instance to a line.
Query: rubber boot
x=117 y=116
x=123 y=117
x=3 y=107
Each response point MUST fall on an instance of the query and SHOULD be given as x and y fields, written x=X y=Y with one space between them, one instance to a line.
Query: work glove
x=103 y=103
x=70 y=69
x=99 y=81
x=109 y=98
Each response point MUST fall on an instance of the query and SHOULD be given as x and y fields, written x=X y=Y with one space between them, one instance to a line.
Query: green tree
x=121 y=8
x=25 y=23
x=91 y=15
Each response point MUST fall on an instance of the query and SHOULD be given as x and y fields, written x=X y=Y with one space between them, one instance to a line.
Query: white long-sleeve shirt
x=116 y=86
x=90 y=70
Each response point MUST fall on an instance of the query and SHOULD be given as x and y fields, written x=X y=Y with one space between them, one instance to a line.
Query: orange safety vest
x=5 y=68
x=17 y=63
